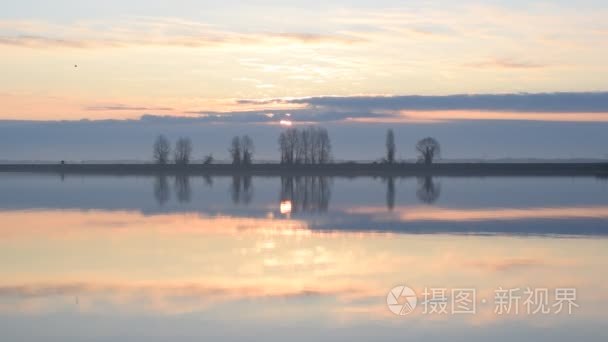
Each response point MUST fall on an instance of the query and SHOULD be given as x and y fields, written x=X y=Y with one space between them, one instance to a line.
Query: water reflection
x=208 y=180
x=94 y=252
x=241 y=189
x=136 y=264
x=467 y=205
x=182 y=188
x=390 y=193
x=428 y=191
x=306 y=194
x=183 y=191
x=161 y=189
x=285 y=207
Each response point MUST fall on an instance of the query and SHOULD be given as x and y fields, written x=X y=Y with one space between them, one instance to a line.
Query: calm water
x=152 y=258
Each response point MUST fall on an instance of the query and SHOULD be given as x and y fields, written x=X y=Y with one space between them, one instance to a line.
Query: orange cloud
x=451 y=115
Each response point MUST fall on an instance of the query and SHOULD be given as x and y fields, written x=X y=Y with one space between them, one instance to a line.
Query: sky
x=159 y=66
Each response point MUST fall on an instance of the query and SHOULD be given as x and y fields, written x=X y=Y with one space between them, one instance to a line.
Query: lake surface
x=103 y=258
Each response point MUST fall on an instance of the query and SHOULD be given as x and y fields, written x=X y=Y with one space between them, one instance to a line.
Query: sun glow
x=285 y=123
x=285 y=207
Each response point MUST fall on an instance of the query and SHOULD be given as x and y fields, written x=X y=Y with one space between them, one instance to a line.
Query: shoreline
x=337 y=169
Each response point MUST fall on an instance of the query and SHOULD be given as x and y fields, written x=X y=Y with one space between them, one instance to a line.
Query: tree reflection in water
x=305 y=194
x=241 y=189
x=298 y=194
x=390 y=193
x=428 y=191
x=161 y=189
x=183 y=191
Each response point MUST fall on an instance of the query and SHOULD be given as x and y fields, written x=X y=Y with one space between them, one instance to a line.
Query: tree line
x=307 y=146
x=241 y=151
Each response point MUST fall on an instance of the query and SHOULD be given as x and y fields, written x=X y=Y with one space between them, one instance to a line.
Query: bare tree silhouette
x=235 y=151
x=390 y=147
x=161 y=150
x=429 y=150
x=307 y=146
x=323 y=147
x=288 y=142
x=247 y=149
x=208 y=160
x=183 y=150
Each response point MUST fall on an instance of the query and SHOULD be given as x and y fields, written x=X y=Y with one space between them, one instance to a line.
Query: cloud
x=151 y=32
x=318 y=38
x=119 y=107
x=262 y=101
x=39 y=42
x=563 y=102
x=556 y=107
x=550 y=107
x=305 y=116
x=506 y=63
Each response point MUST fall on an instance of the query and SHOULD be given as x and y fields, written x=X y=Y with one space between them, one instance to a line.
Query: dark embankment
x=338 y=169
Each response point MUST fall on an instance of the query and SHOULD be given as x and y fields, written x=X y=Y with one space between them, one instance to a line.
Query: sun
x=285 y=123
